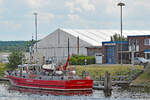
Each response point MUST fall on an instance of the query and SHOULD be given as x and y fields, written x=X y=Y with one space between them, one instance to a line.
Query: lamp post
x=35 y=14
x=121 y=5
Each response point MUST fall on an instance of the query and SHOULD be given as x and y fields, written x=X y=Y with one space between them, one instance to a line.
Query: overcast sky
x=17 y=19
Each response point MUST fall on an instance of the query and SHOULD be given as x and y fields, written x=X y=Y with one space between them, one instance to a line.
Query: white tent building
x=56 y=43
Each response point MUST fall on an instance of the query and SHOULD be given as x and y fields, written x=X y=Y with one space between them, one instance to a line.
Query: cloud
x=92 y=14
x=46 y=17
x=10 y=25
x=1 y=2
x=85 y=4
x=75 y=21
x=74 y=17
x=42 y=17
x=37 y=3
x=72 y=7
x=80 y=5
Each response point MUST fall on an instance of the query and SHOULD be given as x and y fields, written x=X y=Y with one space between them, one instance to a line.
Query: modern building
x=112 y=52
x=82 y=42
x=140 y=44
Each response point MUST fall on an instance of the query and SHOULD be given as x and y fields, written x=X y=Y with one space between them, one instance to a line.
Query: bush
x=15 y=59
x=80 y=60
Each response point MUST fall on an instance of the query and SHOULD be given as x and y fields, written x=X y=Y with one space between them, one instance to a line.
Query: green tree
x=15 y=59
x=117 y=37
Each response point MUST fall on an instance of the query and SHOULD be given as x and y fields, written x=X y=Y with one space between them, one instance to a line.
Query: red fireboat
x=49 y=77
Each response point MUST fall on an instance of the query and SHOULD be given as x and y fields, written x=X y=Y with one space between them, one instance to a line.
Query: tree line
x=11 y=46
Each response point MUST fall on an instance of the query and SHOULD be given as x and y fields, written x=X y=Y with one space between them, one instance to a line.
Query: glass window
x=148 y=55
x=147 y=41
x=137 y=41
x=129 y=41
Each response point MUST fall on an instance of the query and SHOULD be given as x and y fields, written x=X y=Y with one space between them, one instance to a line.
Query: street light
x=35 y=14
x=121 y=5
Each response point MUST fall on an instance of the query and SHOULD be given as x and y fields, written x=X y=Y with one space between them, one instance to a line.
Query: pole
x=132 y=48
x=36 y=29
x=121 y=5
x=68 y=48
x=31 y=51
x=121 y=33
x=132 y=60
x=35 y=14
x=78 y=45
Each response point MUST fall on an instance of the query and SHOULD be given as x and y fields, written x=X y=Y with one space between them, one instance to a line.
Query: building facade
x=140 y=44
x=55 y=45
x=112 y=52
x=90 y=43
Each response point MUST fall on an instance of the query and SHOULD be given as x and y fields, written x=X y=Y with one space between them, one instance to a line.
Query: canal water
x=8 y=92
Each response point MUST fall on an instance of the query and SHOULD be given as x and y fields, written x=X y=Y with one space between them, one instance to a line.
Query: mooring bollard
x=107 y=84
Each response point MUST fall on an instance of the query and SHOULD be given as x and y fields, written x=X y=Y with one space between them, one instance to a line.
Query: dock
x=3 y=79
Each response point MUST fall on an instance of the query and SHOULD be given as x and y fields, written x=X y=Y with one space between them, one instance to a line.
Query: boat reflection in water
x=49 y=92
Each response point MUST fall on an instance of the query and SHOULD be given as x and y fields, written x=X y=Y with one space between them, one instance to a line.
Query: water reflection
x=8 y=92
x=48 y=92
x=107 y=93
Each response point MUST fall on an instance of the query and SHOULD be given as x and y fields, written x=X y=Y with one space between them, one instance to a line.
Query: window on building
x=124 y=47
x=133 y=42
x=129 y=41
x=137 y=41
x=147 y=42
x=148 y=56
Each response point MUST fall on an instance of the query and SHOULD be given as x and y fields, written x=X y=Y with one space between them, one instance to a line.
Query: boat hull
x=81 y=84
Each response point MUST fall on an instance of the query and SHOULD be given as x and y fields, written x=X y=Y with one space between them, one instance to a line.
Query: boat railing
x=43 y=77
x=57 y=77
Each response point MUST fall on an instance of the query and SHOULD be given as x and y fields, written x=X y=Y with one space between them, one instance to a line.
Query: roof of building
x=139 y=36
x=95 y=37
x=117 y=42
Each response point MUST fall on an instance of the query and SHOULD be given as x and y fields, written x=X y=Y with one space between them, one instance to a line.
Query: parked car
x=140 y=61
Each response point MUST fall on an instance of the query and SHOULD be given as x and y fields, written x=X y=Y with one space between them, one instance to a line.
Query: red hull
x=80 y=84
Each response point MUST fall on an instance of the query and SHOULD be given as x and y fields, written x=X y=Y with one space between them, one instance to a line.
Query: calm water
x=12 y=93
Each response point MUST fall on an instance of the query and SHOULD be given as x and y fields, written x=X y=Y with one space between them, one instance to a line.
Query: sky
x=17 y=19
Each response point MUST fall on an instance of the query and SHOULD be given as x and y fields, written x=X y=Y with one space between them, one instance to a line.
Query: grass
x=143 y=79
x=3 y=68
x=97 y=71
x=94 y=71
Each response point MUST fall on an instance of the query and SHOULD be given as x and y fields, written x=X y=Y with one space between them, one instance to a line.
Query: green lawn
x=97 y=71
x=94 y=71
